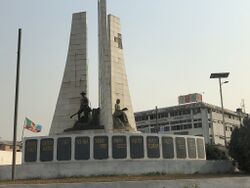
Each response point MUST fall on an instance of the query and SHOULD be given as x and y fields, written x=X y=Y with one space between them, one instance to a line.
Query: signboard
x=153 y=149
x=180 y=147
x=64 y=149
x=100 y=147
x=46 y=149
x=119 y=147
x=167 y=147
x=136 y=147
x=191 y=148
x=82 y=148
x=30 y=154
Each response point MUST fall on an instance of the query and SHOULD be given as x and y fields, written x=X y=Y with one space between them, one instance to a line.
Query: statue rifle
x=73 y=114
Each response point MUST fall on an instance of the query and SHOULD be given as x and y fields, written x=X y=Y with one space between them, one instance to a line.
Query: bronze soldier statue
x=84 y=108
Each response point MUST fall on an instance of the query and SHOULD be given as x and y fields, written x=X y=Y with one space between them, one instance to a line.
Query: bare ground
x=119 y=178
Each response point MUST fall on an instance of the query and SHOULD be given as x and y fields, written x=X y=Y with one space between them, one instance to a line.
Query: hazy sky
x=170 y=46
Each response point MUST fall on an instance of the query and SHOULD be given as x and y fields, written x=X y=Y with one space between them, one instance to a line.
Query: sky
x=170 y=49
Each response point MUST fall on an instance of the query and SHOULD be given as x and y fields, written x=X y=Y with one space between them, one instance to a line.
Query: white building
x=6 y=153
x=198 y=119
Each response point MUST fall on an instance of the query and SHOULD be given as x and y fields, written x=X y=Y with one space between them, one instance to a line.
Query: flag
x=30 y=125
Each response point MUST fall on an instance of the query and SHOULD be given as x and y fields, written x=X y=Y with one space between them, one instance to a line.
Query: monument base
x=115 y=167
x=94 y=153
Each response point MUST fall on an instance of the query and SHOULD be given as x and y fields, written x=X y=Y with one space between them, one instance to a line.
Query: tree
x=239 y=147
x=214 y=153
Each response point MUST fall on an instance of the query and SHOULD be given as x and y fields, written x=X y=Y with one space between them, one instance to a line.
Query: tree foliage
x=214 y=153
x=239 y=147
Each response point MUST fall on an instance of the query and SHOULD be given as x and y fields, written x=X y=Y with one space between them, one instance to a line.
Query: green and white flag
x=30 y=125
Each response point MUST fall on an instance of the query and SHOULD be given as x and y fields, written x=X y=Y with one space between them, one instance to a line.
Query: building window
x=188 y=126
x=186 y=111
x=197 y=125
x=166 y=129
x=173 y=128
x=196 y=110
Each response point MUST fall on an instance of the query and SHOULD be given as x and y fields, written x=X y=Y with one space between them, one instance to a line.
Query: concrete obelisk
x=113 y=82
x=75 y=76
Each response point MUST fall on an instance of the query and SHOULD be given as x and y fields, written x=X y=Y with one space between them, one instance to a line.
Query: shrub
x=239 y=147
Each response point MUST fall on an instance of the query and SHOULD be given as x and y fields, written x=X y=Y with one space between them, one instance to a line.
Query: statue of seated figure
x=119 y=117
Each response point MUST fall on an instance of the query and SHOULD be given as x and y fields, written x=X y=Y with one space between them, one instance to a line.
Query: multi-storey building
x=198 y=119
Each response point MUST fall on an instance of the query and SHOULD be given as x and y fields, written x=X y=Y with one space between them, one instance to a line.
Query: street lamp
x=220 y=76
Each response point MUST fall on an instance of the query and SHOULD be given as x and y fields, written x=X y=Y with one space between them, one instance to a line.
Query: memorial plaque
x=30 y=154
x=82 y=148
x=200 y=148
x=119 y=147
x=180 y=148
x=64 y=149
x=191 y=148
x=46 y=149
x=136 y=147
x=167 y=147
x=100 y=147
x=153 y=149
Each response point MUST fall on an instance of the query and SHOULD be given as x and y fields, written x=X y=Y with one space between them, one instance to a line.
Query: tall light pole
x=220 y=76
x=13 y=172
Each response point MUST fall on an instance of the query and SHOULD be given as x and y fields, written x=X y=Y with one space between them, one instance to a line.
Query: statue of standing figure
x=119 y=117
x=84 y=108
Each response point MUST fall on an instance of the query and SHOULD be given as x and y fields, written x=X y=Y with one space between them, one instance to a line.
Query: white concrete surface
x=105 y=97
x=6 y=157
x=113 y=82
x=114 y=167
x=119 y=87
x=75 y=79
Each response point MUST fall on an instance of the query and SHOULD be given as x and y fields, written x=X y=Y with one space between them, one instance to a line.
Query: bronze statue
x=84 y=108
x=90 y=118
x=119 y=116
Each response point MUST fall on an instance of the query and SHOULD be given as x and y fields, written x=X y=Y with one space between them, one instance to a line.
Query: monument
x=83 y=139
x=113 y=84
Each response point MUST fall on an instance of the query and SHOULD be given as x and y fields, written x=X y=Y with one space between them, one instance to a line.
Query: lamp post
x=220 y=76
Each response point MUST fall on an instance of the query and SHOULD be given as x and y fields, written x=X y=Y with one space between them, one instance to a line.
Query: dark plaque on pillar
x=30 y=154
x=191 y=148
x=167 y=147
x=100 y=147
x=64 y=149
x=46 y=149
x=153 y=149
x=119 y=147
x=200 y=148
x=136 y=147
x=180 y=148
x=82 y=148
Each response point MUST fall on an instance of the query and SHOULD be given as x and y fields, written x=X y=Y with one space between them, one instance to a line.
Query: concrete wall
x=75 y=76
x=6 y=157
x=114 y=167
x=199 y=149
x=232 y=182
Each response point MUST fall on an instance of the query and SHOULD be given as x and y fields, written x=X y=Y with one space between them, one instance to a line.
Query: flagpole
x=16 y=106
x=23 y=129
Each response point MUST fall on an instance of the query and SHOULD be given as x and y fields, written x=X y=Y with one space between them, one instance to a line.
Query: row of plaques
x=119 y=148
